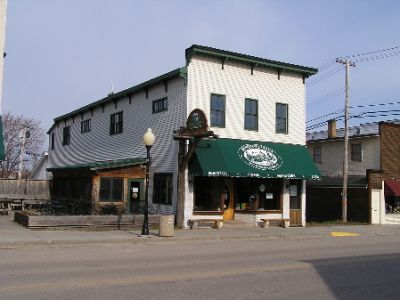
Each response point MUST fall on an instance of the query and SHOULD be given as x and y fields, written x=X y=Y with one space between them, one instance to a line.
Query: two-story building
x=374 y=173
x=256 y=168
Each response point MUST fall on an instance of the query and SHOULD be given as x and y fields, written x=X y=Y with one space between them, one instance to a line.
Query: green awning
x=241 y=158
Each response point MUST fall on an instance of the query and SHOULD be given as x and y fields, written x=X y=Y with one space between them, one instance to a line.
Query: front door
x=135 y=201
x=227 y=200
x=295 y=205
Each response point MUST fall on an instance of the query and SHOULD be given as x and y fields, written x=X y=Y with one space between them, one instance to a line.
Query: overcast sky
x=64 y=54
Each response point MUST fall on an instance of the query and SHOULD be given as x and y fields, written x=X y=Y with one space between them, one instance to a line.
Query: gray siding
x=99 y=145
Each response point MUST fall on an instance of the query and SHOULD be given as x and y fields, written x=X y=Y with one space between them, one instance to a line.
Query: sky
x=64 y=54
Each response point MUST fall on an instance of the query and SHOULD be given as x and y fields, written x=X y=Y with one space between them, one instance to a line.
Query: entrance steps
x=392 y=219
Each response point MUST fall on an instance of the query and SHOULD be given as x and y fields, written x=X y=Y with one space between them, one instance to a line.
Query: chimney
x=331 y=128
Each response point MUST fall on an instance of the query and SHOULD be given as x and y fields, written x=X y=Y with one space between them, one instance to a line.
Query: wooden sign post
x=195 y=130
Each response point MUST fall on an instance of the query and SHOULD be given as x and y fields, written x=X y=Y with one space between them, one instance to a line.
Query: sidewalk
x=14 y=235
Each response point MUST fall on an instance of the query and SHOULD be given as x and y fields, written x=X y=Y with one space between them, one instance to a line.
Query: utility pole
x=347 y=63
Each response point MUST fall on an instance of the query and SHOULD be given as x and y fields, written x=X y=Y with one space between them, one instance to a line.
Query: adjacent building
x=374 y=173
x=253 y=166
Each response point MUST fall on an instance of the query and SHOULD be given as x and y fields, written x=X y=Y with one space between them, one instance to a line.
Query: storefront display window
x=250 y=194
x=208 y=194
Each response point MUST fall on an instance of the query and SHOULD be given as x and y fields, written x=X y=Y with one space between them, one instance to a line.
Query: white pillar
x=303 y=203
x=382 y=204
x=188 y=200
x=285 y=199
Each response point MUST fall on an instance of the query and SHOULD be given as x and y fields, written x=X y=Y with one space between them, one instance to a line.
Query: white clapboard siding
x=99 y=145
x=206 y=76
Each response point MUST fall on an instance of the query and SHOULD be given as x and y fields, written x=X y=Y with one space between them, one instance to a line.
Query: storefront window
x=258 y=194
x=111 y=189
x=212 y=194
x=208 y=193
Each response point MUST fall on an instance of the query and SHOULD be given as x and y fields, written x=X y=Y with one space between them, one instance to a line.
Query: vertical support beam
x=184 y=157
x=285 y=199
x=303 y=202
x=181 y=186
x=382 y=204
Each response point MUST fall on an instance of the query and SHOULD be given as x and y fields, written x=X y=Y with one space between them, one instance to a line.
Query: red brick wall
x=390 y=155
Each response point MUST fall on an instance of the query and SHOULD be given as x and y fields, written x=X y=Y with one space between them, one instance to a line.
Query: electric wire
x=318 y=79
x=326 y=97
x=373 y=52
x=378 y=57
x=326 y=115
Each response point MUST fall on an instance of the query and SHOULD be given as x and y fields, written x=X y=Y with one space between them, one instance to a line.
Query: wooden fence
x=14 y=189
x=22 y=194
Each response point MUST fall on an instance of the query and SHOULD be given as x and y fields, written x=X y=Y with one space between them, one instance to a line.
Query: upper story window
x=116 y=123
x=356 y=152
x=251 y=114
x=281 y=118
x=111 y=189
x=317 y=154
x=52 y=141
x=217 y=110
x=66 y=135
x=162 y=188
x=86 y=126
x=160 y=105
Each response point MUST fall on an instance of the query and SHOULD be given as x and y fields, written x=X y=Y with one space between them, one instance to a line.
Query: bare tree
x=12 y=126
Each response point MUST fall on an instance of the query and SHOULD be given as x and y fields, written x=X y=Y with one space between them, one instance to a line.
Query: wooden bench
x=285 y=223
x=194 y=223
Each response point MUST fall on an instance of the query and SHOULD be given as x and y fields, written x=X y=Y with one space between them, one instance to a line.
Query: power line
x=324 y=116
x=378 y=57
x=375 y=104
x=326 y=97
x=326 y=65
x=317 y=125
x=373 y=52
x=366 y=114
x=318 y=79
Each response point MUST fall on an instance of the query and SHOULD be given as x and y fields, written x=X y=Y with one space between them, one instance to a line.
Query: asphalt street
x=256 y=266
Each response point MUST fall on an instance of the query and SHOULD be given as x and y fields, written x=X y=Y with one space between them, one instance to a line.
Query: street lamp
x=148 y=141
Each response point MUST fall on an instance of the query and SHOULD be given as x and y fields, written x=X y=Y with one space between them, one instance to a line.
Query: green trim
x=108 y=164
x=180 y=72
x=248 y=59
x=2 y=151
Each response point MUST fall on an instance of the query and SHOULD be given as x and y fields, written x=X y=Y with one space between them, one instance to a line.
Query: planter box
x=32 y=221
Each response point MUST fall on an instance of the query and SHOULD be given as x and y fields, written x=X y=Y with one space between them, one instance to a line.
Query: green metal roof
x=112 y=97
x=242 y=158
x=107 y=164
x=2 y=152
x=252 y=60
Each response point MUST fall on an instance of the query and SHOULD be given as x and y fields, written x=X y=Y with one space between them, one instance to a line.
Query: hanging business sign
x=196 y=123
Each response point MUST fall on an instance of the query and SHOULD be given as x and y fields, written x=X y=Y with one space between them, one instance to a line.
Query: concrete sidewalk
x=15 y=235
